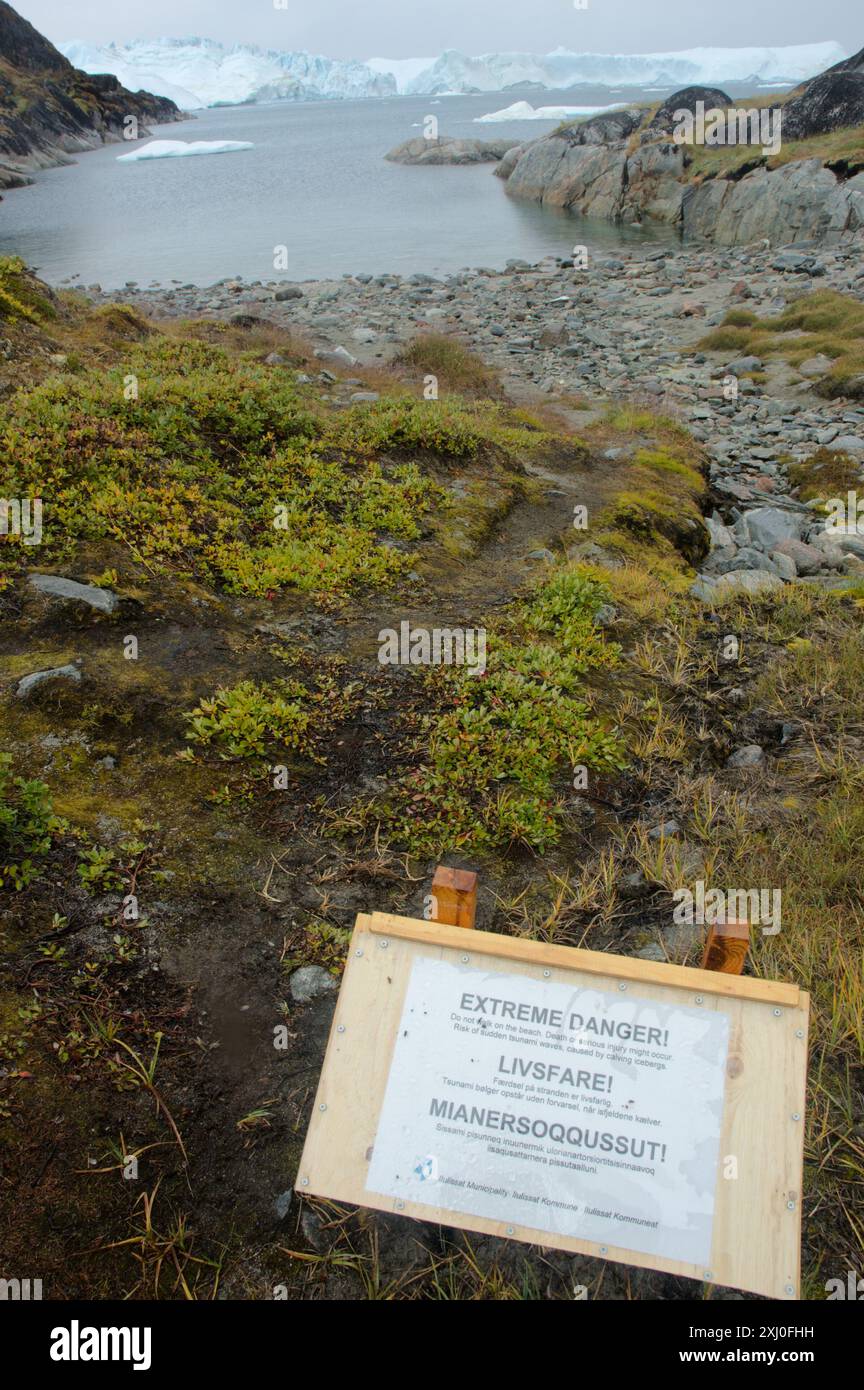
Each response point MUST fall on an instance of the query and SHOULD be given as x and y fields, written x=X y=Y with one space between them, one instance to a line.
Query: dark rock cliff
x=49 y=109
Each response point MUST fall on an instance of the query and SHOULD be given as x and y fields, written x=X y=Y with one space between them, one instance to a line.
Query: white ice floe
x=524 y=111
x=177 y=149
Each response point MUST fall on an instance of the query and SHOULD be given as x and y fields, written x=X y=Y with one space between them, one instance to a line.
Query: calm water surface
x=315 y=182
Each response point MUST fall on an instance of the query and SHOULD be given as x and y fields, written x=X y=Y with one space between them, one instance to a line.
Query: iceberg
x=402 y=70
x=496 y=72
x=178 y=149
x=199 y=72
x=524 y=111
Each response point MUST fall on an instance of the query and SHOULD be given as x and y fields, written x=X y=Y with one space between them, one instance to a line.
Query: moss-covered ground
x=236 y=775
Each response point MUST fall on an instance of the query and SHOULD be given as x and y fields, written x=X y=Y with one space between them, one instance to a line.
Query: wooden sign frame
x=757 y=1215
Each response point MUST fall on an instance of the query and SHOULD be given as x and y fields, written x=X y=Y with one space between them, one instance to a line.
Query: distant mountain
x=198 y=72
x=497 y=72
x=49 y=110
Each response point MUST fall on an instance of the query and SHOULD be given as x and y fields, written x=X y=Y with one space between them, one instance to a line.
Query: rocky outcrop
x=50 y=110
x=446 y=149
x=605 y=168
x=832 y=100
x=556 y=171
x=800 y=201
x=606 y=127
x=602 y=180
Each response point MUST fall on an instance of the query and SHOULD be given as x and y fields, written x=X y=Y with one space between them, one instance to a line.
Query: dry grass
x=824 y=322
x=455 y=367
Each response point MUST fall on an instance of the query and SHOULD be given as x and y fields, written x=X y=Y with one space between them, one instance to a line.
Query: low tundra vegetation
x=498 y=755
x=825 y=322
x=210 y=465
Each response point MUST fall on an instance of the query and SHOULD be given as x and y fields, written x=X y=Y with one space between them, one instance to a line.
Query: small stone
x=664 y=831
x=744 y=364
x=554 y=335
x=364 y=397
x=28 y=684
x=652 y=952
x=103 y=600
x=283 y=1204
x=310 y=982
x=785 y=565
x=815 y=366
x=751 y=755
x=288 y=292
x=338 y=355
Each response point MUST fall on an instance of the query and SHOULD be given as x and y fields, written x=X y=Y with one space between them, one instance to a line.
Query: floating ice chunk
x=524 y=111
x=176 y=149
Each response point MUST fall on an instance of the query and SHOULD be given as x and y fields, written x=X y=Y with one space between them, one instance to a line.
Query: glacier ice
x=496 y=72
x=199 y=72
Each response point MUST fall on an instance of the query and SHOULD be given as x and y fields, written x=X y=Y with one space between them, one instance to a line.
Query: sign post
x=639 y=1112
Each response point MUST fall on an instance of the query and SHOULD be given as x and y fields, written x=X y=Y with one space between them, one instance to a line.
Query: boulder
x=847 y=444
x=753 y=582
x=785 y=566
x=832 y=100
x=686 y=100
x=606 y=128
x=767 y=526
x=719 y=532
x=806 y=558
x=817 y=366
x=797 y=263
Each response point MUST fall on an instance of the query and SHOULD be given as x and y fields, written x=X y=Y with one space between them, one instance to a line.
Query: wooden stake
x=726 y=947
x=454 y=896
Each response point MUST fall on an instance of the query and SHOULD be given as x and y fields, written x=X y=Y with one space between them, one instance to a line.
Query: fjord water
x=316 y=182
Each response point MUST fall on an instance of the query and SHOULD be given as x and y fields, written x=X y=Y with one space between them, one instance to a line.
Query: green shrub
x=247 y=719
x=27 y=823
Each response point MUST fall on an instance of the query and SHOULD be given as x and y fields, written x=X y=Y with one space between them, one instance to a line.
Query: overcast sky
x=423 y=28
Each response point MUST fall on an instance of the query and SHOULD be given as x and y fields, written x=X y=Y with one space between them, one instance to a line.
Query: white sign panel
x=568 y=1110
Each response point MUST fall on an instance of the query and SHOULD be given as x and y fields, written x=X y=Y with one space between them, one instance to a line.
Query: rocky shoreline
x=624 y=328
x=635 y=164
